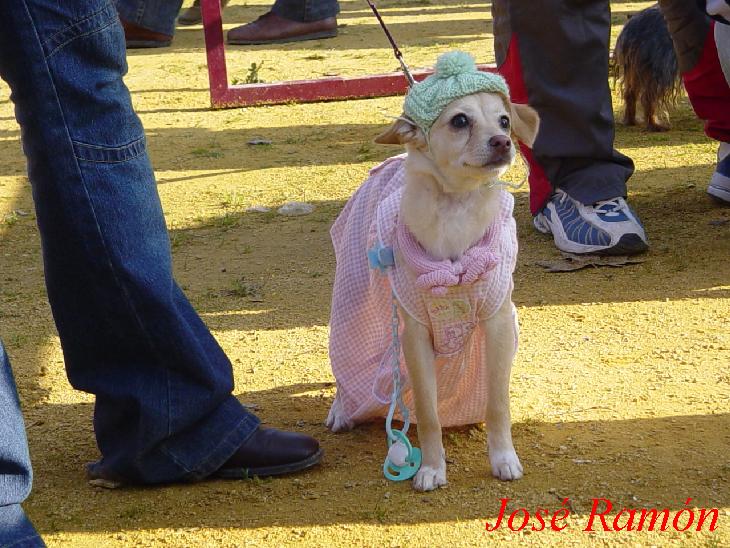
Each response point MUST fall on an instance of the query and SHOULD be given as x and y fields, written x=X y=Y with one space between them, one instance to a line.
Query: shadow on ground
x=221 y=259
x=627 y=461
x=302 y=145
x=688 y=232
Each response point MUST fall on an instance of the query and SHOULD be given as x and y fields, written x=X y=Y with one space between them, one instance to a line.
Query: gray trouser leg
x=563 y=61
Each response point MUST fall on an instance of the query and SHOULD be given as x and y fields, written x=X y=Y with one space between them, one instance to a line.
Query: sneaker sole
x=628 y=244
x=721 y=195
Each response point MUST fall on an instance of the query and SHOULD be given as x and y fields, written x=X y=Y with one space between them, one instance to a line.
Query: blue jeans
x=160 y=15
x=164 y=410
x=155 y=15
x=15 y=472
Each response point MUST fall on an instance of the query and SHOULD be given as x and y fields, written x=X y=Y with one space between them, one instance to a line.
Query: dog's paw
x=336 y=419
x=429 y=478
x=505 y=465
x=656 y=127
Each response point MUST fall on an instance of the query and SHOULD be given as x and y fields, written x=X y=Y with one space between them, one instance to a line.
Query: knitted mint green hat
x=456 y=76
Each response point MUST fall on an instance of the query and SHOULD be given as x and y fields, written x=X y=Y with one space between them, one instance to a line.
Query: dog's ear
x=402 y=131
x=525 y=123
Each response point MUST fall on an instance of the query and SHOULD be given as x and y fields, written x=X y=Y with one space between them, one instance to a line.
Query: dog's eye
x=504 y=122
x=460 y=121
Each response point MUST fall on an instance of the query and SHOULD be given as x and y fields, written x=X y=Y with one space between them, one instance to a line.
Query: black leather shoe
x=271 y=452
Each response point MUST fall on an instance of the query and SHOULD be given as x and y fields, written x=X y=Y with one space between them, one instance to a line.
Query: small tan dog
x=447 y=203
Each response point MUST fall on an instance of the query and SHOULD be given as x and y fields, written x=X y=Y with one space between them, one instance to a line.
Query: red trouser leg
x=709 y=92
x=511 y=69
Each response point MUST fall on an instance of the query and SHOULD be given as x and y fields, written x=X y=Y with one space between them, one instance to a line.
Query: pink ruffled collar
x=438 y=275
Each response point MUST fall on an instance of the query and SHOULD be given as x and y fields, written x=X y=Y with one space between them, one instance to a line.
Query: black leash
x=398 y=54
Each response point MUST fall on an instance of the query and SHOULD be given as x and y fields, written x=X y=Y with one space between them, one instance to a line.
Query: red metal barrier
x=225 y=95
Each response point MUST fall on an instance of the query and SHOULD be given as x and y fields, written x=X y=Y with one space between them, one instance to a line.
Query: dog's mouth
x=491 y=163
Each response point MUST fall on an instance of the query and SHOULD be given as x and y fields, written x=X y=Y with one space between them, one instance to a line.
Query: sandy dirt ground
x=621 y=388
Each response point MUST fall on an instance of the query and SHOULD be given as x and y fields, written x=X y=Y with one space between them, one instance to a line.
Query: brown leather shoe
x=192 y=15
x=272 y=29
x=140 y=37
x=271 y=452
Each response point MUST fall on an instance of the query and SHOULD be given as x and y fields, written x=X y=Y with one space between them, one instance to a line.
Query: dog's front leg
x=498 y=351
x=418 y=351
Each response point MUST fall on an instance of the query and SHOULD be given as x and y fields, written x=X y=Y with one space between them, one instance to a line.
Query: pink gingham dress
x=360 y=323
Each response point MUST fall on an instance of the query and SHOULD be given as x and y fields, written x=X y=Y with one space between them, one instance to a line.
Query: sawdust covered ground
x=621 y=388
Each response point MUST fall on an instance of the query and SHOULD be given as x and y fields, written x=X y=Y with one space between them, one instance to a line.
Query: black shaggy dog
x=645 y=63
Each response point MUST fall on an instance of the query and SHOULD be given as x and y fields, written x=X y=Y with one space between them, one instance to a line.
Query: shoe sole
x=189 y=22
x=301 y=38
x=268 y=471
x=228 y=473
x=147 y=44
x=628 y=244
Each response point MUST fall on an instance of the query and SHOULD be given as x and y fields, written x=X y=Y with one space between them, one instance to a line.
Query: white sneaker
x=608 y=227
x=720 y=183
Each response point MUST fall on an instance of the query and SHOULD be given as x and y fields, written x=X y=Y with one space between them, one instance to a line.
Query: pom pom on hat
x=456 y=75
x=454 y=63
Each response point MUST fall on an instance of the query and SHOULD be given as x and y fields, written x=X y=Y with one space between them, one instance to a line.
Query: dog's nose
x=501 y=143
